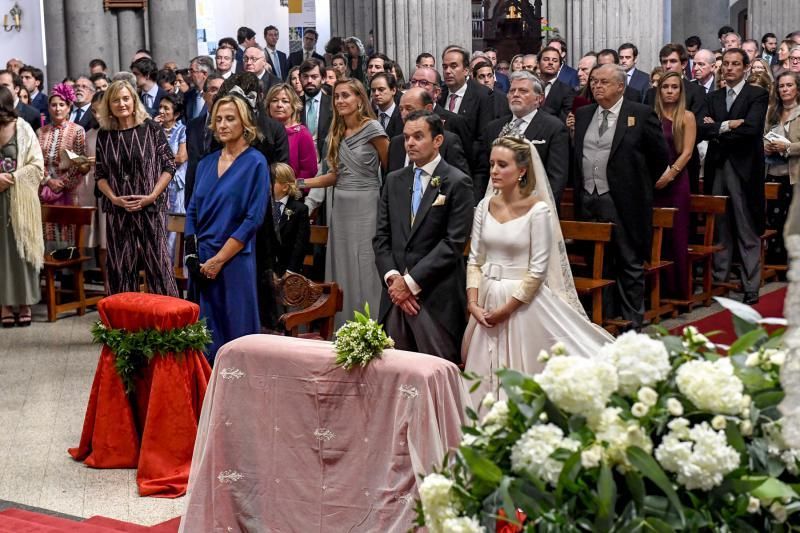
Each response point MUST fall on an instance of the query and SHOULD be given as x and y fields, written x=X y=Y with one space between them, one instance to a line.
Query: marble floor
x=46 y=373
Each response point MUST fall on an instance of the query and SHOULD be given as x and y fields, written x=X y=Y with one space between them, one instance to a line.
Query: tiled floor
x=46 y=373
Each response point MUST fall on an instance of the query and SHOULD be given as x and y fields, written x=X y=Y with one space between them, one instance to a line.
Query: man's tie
x=384 y=120
x=451 y=105
x=308 y=54
x=730 y=98
x=416 y=195
x=311 y=117
x=78 y=114
x=517 y=124
x=604 y=122
x=276 y=64
x=276 y=212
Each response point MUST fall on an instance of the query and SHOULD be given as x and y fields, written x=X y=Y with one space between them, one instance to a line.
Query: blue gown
x=231 y=205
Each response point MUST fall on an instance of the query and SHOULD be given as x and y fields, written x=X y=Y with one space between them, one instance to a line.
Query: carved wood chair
x=307 y=303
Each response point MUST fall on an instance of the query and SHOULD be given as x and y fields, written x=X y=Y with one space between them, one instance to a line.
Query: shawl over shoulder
x=26 y=211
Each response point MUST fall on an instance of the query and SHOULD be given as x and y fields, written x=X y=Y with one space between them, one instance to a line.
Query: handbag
x=192 y=261
x=65 y=254
x=48 y=195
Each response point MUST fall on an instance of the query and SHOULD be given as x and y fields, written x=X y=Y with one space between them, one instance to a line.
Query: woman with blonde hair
x=134 y=165
x=672 y=188
x=760 y=64
x=21 y=239
x=284 y=106
x=224 y=214
x=521 y=297
x=357 y=149
x=291 y=220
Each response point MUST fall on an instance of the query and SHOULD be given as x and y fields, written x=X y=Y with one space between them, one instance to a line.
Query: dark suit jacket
x=639 y=81
x=268 y=79
x=41 y=105
x=87 y=121
x=633 y=95
x=554 y=151
x=559 y=100
x=395 y=124
x=568 y=76
x=432 y=250
x=293 y=235
x=29 y=114
x=198 y=145
x=324 y=118
x=742 y=146
x=451 y=151
x=637 y=158
x=296 y=58
x=499 y=104
x=153 y=111
x=501 y=82
x=458 y=125
x=282 y=60
x=189 y=105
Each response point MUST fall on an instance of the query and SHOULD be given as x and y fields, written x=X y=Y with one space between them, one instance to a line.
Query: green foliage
x=134 y=350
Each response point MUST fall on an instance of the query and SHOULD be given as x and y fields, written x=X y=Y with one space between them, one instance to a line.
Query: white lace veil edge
x=559 y=274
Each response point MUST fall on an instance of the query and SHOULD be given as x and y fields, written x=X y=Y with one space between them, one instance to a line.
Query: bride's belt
x=499 y=272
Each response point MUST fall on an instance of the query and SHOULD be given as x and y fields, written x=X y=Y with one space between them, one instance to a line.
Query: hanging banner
x=302 y=16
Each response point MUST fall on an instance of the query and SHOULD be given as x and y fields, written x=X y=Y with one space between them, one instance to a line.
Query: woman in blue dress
x=226 y=209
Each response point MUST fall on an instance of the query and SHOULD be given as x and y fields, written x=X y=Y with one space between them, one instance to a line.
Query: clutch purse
x=65 y=254
x=192 y=260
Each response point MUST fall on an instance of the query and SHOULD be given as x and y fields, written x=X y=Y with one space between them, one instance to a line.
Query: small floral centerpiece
x=658 y=433
x=360 y=341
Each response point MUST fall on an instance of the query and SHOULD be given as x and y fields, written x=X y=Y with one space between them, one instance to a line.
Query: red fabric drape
x=154 y=428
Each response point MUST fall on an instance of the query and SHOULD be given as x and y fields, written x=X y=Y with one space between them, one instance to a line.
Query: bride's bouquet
x=359 y=341
x=652 y=434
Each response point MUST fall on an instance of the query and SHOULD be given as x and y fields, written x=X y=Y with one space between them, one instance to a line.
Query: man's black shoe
x=750 y=298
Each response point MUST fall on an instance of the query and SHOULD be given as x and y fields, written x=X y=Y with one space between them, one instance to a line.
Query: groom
x=424 y=221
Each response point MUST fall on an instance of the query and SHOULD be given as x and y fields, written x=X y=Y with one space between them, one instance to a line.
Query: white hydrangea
x=700 y=459
x=639 y=360
x=531 y=453
x=778 y=447
x=711 y=386
x=463 y=524
x=592 y=456
x=496 y=418
x=618 y=435
x=435 y=493
x=791 y=458
x=578 y=385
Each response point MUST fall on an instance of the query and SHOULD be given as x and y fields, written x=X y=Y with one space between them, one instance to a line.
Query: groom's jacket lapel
x=428 y=197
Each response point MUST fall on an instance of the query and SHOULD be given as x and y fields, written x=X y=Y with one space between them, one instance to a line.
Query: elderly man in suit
x=551 y=136
x=620 y=152
x=81 y=113
x=735 y=168
x=255 y=61
x=418 y=99
x=424 y=220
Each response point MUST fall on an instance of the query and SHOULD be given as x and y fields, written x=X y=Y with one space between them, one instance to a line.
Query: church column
x=690 y=17
x=173 y=34
x=596 y=24
x=130 y=25
x=353 y=18
x=56 y=47
x=777 y=16
x=84 y=42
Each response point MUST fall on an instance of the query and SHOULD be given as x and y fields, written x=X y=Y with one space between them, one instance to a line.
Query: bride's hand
x=497 y=316
x=479 y=313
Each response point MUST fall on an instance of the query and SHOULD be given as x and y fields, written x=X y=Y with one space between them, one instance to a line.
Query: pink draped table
x=290 y=442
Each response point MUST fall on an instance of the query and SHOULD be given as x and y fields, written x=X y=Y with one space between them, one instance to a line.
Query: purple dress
x=676 y=240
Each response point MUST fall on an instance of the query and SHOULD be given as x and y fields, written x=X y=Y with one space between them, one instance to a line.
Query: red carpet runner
x=769 y=306
x=19 y=521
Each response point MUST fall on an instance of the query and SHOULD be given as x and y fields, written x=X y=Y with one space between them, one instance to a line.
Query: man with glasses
x=194 y=105
x=82 y=108
x=794 y=59
x=224 y=60
x=255 y=61
x=310 y=37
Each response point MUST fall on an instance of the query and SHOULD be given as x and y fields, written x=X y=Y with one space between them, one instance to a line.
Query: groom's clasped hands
x=401 y=295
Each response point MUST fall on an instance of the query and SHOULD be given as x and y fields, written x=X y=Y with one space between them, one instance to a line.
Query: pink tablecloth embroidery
x=289 y=442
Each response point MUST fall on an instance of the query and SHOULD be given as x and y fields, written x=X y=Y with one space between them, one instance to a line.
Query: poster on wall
x=206 y=31
x=302 y=17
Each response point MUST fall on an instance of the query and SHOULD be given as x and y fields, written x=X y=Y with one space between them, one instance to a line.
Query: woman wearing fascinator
x=520 y=294
x=226 y=209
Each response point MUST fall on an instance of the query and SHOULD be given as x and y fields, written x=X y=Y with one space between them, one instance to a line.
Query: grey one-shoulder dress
x=350 y=260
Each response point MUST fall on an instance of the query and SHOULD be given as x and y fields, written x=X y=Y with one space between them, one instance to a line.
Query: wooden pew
x=599 y=234
x=663 y=218
x=768 y=272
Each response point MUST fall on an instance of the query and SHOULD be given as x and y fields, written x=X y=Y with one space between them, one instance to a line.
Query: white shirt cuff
x=415 y=289
x=389 y=274
x=724 y=128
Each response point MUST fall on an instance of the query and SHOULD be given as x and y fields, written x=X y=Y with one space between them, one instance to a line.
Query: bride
x=520 y=294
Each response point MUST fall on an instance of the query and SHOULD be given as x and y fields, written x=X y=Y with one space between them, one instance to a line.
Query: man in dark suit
x=620 y=152
x=146 y=72
x=308 y=52
x=705 y=66
x=637 y=80
x=246 y=38
x=198 y=134
x=483 y=73
x=566 y=74
x=470 y=100
x=13 y=83
x=255 y=61
x=290 y=218
x=558 y=96
x=81 y=113
x=549 y=133
x=734 y=168
x=194 y=104
x=607 y=56
x=277 y=60
x=33 y=80
x=317 y=113
x=383 y=88
x=418 y=99
x=500 y=79
x=424 y=220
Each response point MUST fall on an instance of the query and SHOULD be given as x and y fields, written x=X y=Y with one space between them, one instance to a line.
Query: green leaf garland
x=134 y=350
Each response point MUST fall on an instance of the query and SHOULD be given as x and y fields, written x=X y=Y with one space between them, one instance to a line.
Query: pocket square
x=440 y=200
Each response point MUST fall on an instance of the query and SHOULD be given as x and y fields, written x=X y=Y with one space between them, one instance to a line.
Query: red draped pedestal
x=154 y=428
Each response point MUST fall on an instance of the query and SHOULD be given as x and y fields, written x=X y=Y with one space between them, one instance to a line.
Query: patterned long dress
x=132 y=161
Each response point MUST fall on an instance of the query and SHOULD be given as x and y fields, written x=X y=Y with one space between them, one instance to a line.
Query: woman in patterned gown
x=357 y=149
x=133 y=168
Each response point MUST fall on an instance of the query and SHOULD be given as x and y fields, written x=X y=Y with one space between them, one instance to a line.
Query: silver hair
x=205 y=63
x=124 y=75
x=618 y=71
x=705 y=51
x=538 y=87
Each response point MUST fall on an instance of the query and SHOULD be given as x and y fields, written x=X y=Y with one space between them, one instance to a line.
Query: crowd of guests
x=254 y=144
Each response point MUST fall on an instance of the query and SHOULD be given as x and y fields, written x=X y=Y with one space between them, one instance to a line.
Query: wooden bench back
x=771 y=190
x=597 y=232
x=69 y=216
x=176 y=223
x=663 y=217
x=710 y=206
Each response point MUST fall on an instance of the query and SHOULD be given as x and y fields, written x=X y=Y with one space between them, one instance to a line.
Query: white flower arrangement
x=711 y=386
x=360 y=341
x=578 y=385
x=640 y=361
x=533 y=452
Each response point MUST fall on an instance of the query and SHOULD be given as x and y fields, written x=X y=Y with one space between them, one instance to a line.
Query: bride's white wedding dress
x=523 y=258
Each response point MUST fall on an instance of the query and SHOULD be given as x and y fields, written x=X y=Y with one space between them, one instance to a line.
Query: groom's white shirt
x=427 y=173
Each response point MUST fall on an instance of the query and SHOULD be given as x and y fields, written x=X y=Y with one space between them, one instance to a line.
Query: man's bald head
x=415 y=99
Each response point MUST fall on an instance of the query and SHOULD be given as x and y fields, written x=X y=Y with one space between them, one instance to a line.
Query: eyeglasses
x=421 y=83
x=250 y=59
x=794 y=59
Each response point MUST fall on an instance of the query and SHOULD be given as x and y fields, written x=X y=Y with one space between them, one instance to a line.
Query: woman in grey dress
x=357 y=149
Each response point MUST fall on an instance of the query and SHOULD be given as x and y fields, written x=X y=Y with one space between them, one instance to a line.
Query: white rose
x=591 y=457
x=496 y=418
x=719 y=422
x=543 y=356
x=778 y=511
x=639 y=361
x=753 y=505
x=639 y=410
x=488 y=400
x=558 y=349
x=674 y=407
x=618 y=435
x=746 y=428
x=753 y=359
x=711 y=386
x=543 y=416
x=776 y=357
x=647 y=396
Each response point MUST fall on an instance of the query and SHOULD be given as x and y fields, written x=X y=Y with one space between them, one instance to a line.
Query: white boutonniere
x=436 y=181
x=288 y=214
